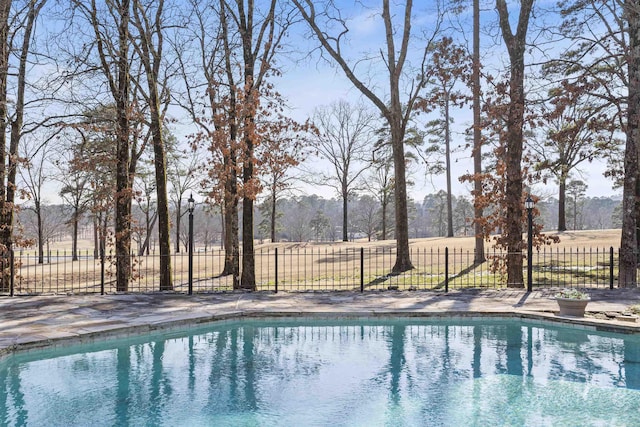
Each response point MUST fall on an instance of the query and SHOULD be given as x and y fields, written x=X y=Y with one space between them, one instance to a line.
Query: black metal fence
x=303 y=269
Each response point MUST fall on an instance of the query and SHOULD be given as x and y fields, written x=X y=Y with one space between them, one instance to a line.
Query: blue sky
x=312 y=82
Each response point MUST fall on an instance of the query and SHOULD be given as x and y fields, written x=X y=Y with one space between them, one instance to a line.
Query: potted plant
x=572 y=302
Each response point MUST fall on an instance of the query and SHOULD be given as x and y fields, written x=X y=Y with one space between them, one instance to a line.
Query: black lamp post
x=191 y=206
x=529 y=204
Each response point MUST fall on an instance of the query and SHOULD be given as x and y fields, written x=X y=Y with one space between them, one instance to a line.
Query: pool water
x=400 y=372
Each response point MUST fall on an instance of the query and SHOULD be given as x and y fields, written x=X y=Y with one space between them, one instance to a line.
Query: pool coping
x=35 y=323
x=168 y=326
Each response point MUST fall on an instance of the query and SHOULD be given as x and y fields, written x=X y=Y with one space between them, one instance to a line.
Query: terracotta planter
x=572 y=307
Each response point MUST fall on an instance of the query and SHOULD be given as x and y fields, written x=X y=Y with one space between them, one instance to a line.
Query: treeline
x=313 y=218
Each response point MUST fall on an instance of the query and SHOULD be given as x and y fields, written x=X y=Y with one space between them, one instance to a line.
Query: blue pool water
x=300 y=373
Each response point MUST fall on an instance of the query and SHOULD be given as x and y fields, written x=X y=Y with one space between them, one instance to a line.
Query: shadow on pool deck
x=38 y=321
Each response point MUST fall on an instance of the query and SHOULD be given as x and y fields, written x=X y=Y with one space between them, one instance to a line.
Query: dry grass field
x=581 y=258
x=570 y=239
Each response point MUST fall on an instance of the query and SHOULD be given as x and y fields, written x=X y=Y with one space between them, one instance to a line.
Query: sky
x=310 y=82
x=316 y=87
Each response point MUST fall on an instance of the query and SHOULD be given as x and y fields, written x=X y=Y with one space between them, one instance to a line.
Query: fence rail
x=310 y=269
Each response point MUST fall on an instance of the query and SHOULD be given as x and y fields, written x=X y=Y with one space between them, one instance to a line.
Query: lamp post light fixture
x=529 y=204
x=191 y=206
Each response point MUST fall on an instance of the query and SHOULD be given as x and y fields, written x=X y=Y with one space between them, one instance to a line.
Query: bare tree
x=344 y=140
x=12 y=27
x=149 y=22
x=74 y=191
x=181 y=170
x=330 y=28
x=110 y=41
x=367 y=216
x=379 y=182
x=34 y=176
x=144 y=187
x=576 y=189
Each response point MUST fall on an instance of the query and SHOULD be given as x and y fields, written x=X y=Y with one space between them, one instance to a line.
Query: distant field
x=569 y=239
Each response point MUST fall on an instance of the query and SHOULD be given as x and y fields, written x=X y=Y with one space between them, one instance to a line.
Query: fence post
x=276 y=270
x=611 y=267
x=446 y=269
x=361 y=270
x=12 y=273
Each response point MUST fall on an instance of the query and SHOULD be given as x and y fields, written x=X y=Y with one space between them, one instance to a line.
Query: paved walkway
x=34 y=322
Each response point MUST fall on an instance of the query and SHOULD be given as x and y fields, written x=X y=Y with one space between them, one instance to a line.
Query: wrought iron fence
x=303 y=269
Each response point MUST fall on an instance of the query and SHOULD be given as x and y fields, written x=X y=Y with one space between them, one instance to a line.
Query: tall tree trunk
x=397 y=126
x=151 y=57
x=74 y=237
x=629 y=238
x=403 y=257
x=447 y=153
x=254 y=70
x=512 y=138
x=345 y=211
x=5 y=228
x=164 y=235
x=248 y=279
x=40 y=233
x=123 y=184
x=384 y=218
x=96 y=240
x=178 y=221
x=478 y=213
x=562 y=205
x=392 y=110
x=8 y=164
x=272 y=225
x=562 y=210
x=231 y=242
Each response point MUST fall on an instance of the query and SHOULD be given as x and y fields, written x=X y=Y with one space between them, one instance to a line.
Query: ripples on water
x=401 y=372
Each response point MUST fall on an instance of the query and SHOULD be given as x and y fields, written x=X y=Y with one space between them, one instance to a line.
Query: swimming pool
x=353 y=373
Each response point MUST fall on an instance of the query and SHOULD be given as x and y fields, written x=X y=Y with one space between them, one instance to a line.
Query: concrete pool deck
x=34 y=322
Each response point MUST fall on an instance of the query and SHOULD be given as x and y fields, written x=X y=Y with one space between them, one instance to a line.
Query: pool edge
x=119 y=331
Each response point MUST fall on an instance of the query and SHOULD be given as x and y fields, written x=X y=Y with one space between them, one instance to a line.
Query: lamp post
x=191 y=205
x=528 y=204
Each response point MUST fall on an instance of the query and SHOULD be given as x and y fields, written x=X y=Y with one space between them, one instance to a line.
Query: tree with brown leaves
x=449 y=66
x=576 y=133
x=511 y=138
x=603 y=57
x=279 y=154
